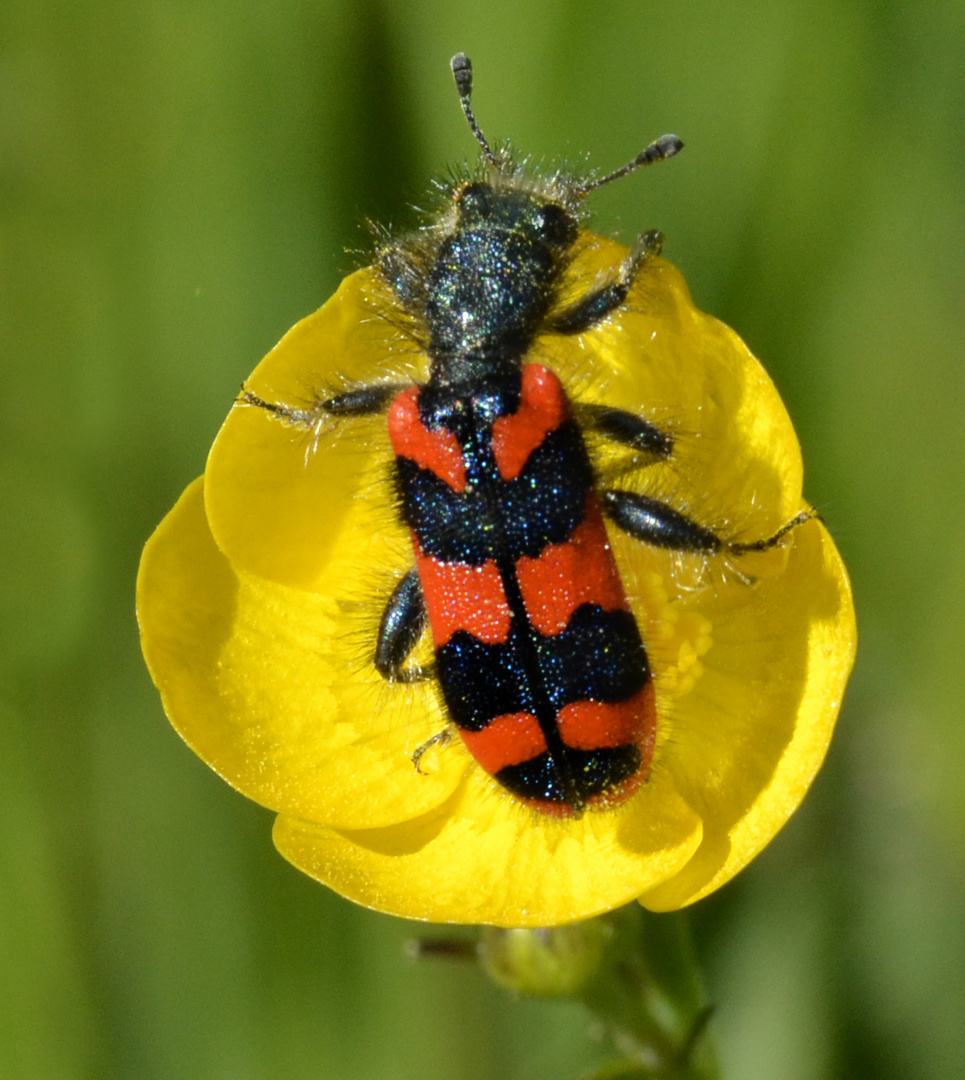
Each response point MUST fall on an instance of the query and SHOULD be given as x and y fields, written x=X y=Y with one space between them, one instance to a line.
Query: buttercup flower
x=260 y=594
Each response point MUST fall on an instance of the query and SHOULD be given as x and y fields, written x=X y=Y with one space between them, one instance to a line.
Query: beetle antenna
x=462 y=73
x=664 y=147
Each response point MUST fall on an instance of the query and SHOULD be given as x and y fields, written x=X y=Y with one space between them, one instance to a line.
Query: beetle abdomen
x=538 y=655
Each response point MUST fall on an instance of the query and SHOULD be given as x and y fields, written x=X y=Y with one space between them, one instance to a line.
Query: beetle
x=540 y=661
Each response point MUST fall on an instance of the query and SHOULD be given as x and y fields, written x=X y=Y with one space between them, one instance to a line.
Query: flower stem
x=637 y=974
x=635 y=971
x=648 y=994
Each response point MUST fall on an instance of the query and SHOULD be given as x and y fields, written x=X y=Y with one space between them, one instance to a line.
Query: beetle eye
x=556 y=226
x=475 y=200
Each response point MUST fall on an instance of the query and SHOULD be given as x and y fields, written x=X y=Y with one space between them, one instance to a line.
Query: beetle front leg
x=596 y=305
x=440 y=739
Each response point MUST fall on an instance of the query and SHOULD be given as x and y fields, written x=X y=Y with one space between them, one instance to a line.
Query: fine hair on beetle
x=407 y=262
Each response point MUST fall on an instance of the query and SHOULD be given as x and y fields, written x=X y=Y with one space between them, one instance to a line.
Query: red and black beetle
x=539 y=658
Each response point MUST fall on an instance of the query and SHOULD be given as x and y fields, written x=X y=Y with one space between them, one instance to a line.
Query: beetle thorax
x=493 y=281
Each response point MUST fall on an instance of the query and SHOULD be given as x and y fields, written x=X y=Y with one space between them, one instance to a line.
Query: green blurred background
x=179 y=183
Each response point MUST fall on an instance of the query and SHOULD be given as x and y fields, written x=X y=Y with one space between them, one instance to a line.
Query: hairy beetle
x=540 y=661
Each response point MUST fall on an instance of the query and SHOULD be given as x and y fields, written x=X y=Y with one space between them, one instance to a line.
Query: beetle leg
x=403 y=622
x=658 y=524
x=319 y=417
x=363 y=401
x=440 y=739
x=626 y=428
x=597 y=304
x=773 y=541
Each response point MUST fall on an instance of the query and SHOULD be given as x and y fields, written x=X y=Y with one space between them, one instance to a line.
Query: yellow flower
x=260 y=594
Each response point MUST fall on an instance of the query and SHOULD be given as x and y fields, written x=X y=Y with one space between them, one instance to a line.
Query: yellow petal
x=736 y=465
x=278 y=495
x=282 y=498
x=259 y=625
x=749 y=739
x=274 y=688
x=484 y=858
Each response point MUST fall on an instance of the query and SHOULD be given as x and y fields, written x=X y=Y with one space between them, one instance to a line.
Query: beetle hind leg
x=440 y=739
x=403 y=623
x=654 y=522
x=773 y=541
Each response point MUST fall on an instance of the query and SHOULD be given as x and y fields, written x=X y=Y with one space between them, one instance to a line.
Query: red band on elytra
x=564 y=576
x=589 y=725
x=508 y=740
x=460 y=597
x=542 y=408
x=438 y=451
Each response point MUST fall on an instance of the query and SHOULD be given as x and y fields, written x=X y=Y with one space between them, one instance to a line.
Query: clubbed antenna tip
x=664 y=147
x=462 y=73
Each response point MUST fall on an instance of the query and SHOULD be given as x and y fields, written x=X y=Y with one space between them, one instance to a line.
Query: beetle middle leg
x=319 y=417
x=440 y=739
x=362 y=401
x=627 y=429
